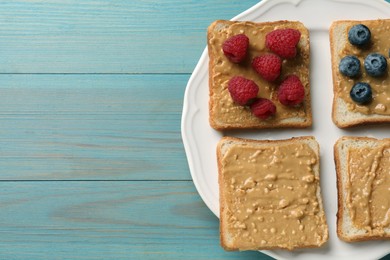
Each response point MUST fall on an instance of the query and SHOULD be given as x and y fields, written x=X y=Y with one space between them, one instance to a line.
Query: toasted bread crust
x=362 y=119
x=340 y=196
x=223 y=239
x=258 y=124
x=340 y=193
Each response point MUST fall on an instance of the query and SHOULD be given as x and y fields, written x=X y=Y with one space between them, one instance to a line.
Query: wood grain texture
x=92 y=164
x=100 y=36
x=92 y=127
x=108 y=220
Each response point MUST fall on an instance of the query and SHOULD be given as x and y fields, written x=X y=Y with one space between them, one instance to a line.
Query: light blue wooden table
x=92 y=162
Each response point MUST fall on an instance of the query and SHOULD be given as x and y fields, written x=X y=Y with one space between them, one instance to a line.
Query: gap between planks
x=99 y=73
x=86 y=180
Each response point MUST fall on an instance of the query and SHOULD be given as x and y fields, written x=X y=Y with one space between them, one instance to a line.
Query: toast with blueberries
x=360 y=70
x=258 y=75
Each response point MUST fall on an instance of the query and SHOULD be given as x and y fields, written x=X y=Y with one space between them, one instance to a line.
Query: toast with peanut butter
x=270 y=194
x=359 y=54
x=224 y=111
x=363 y=184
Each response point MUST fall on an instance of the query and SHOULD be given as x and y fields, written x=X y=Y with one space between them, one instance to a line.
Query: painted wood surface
x=108 y=219
x=92 y=127
x=102 y=36
x=91 y=158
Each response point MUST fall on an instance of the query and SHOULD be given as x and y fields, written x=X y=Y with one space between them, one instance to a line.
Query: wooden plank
x=108 y=220
x=101 y=36
x=92 y=127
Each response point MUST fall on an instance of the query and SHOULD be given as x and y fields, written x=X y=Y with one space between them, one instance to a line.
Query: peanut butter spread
x=380 y=35
x=223 y=70
x=272 y=197
x=368 y=187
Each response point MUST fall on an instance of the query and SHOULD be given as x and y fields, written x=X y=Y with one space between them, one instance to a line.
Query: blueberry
x=359 y=35
x=349 y=66
x=375 y=64
x=361 y=93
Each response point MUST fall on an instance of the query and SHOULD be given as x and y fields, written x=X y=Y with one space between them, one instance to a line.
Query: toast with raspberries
x=360 y=53
x=259 y=75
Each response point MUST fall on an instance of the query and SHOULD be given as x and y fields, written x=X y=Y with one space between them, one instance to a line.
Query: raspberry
x=283 y=42
x=235 y=47
x=263 y=108
x=291 y=92
x=268 y=66
x=243 y=91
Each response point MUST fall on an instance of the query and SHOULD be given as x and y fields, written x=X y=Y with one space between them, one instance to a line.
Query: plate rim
x=194 y=75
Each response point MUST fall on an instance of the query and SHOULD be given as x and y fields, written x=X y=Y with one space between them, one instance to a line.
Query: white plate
x=200 y=139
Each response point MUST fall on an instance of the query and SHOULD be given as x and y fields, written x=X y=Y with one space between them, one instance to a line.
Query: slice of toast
x=363 y=184
x=223 y=112
x=345 y=112
x=270 y=194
